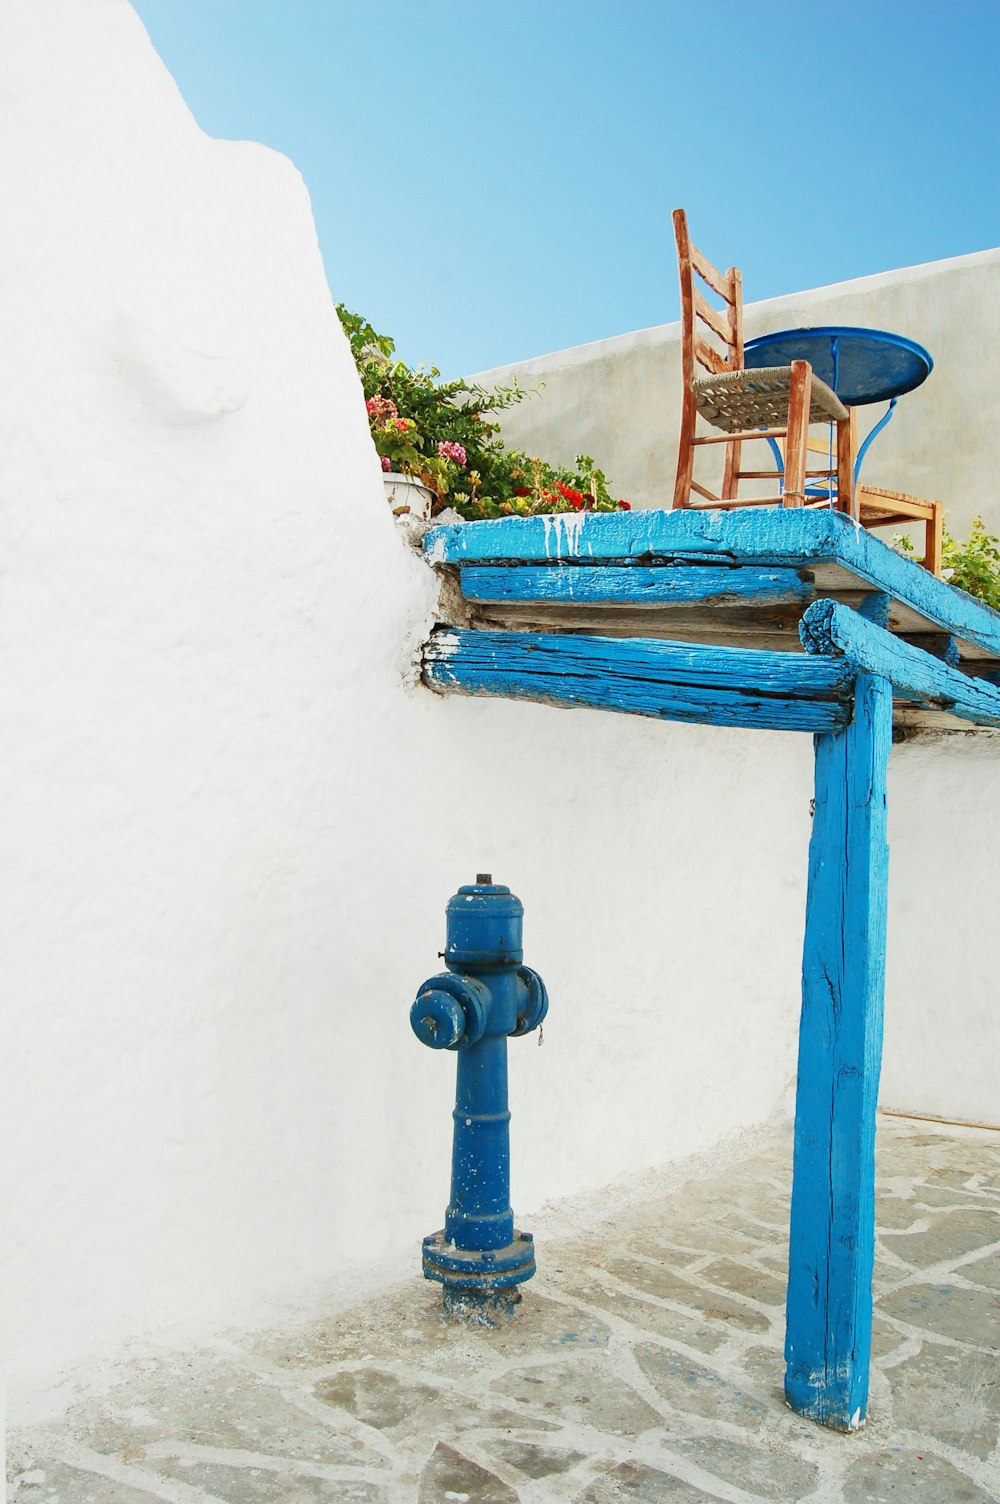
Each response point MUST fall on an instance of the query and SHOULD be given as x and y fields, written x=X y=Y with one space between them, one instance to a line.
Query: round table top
x=862 y=365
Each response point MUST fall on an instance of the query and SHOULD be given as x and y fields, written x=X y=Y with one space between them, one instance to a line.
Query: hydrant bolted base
x=480 y=1289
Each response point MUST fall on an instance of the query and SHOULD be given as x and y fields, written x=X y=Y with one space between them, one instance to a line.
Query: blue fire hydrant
x=485 y=995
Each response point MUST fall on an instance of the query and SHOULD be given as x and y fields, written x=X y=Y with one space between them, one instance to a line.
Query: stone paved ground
x=644 y=1365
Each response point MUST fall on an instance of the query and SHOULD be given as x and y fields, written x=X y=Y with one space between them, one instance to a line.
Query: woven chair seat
x=736 y=400
x=880 y=495
x=873 y=516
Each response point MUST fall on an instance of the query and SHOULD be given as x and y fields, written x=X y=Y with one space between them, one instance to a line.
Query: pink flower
x=451 y=451
x=386 y=462
x=381 y=408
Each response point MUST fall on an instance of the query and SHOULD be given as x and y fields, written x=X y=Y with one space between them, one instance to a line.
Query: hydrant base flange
x=478 y=1275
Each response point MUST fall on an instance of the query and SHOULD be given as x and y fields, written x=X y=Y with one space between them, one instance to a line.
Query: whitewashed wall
x=619 y=400
x=942 y=1006
x=234 y=820
x=231 y=826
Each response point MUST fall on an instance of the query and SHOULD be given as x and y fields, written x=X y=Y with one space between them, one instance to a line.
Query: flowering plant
x=400 y=445
x=444 y=433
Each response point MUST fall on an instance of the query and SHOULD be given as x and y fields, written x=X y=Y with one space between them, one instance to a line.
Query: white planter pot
x=404 y=493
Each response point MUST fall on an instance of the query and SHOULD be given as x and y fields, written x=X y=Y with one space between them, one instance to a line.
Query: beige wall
x=619 y=399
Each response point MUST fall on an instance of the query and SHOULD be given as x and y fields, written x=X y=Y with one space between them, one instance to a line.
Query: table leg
x=877 y=429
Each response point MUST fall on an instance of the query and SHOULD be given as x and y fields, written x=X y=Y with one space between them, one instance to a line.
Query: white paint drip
x=562 y=534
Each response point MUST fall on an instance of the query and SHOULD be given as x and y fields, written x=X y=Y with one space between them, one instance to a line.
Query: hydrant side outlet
x=486 y=995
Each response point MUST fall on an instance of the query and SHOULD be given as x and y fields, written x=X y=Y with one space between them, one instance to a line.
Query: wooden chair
x=777 y=402
x=877 y=507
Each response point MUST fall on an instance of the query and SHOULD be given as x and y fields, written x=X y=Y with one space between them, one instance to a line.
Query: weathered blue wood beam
x=762 y=535
x=828 y=628
x=794 y=537
x=874 y=607
x=640 y=676
x=938 y=644
x=636 y=585
x=832 y=1240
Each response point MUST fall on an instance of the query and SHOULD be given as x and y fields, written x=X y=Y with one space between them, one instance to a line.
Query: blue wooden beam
x=874 y=607
x=641 y=676
x=793 y=537
x=636 y=585
x=828 y=628
x=832 y=1240
x=938 y=644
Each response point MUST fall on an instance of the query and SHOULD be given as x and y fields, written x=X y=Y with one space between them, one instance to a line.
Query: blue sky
x=492 y=182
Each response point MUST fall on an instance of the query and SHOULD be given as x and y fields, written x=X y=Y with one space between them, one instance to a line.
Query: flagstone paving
x=644 y=1364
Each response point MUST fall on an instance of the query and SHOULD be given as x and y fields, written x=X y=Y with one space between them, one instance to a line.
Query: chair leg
x=731 y=471
x=685 y=453
x=799 y=403
x=934 y=544
x=846 y=500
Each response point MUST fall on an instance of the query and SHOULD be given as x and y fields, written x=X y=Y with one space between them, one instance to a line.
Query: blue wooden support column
x=832 y=1241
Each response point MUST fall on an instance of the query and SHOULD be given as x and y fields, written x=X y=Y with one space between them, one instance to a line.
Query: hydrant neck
x=479 y=1215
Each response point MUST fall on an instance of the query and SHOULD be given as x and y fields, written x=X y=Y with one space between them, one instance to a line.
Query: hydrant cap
x=437 y=1019
x=485 y=923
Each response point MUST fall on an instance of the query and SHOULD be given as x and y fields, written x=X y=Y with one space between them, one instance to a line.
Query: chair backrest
x=726 y=326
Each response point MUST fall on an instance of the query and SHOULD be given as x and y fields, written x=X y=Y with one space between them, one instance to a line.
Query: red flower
x=402 y=424
x=522 y=490
x=625 y=506
x=575 y=498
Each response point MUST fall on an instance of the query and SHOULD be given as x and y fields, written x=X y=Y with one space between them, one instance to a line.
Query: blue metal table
x=861 y=365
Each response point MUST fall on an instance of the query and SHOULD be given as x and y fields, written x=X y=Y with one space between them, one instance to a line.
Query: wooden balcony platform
x=739 y=579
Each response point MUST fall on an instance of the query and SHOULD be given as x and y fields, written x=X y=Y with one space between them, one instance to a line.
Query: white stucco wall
x=942 y=1006
x=231 y=825
x=234 y=820
x=619 y=400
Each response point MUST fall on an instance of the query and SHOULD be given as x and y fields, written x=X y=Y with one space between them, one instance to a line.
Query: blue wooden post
x=832 y=1242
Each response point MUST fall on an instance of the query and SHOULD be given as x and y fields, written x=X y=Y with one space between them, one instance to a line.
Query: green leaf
x=465 y=414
